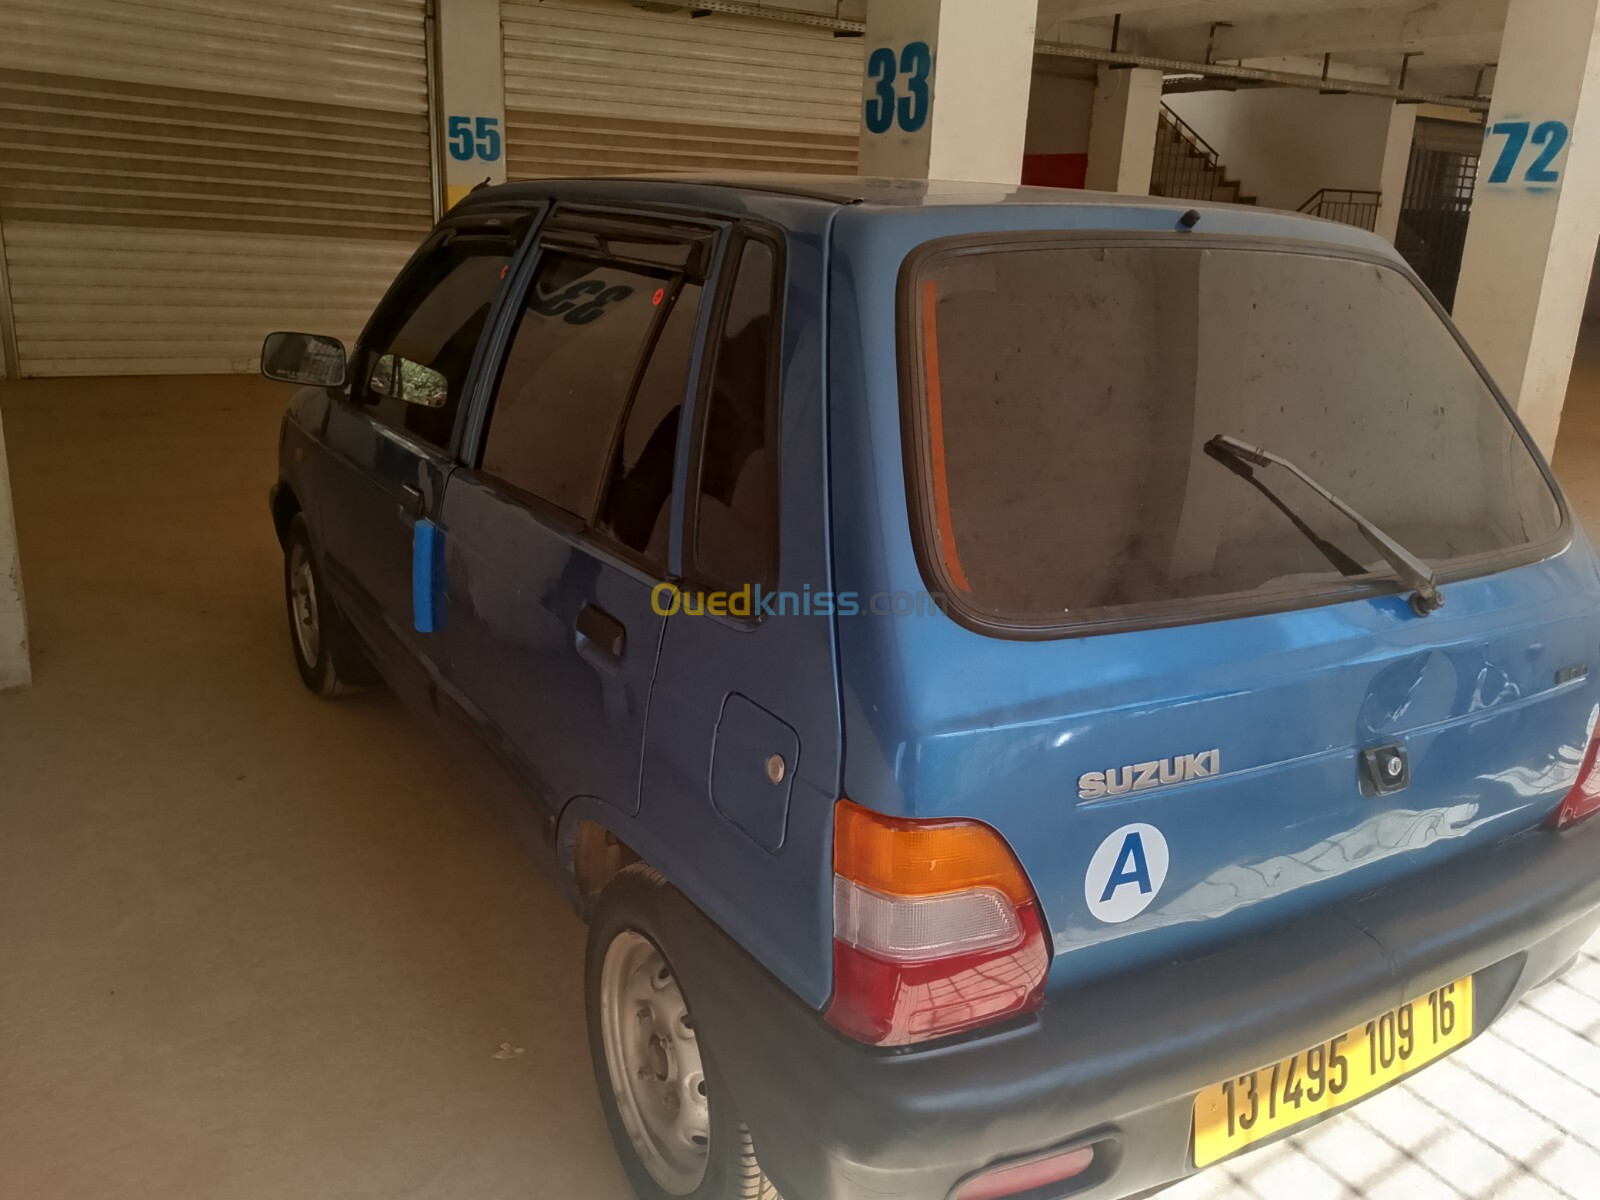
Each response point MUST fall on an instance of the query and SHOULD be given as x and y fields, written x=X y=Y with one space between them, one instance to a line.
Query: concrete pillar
x=1392 y=171
x=470 y=95
x=14 y=669
x=1122 y=131
x=946 y=88
x=1536 y=210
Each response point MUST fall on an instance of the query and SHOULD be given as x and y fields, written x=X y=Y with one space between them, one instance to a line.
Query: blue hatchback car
x=1033 y=692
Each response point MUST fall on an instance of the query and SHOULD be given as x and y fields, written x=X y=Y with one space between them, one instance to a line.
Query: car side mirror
x=402 y=379
x=304 y=358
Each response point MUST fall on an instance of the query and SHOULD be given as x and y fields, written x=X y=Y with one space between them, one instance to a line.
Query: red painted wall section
x=1055 y=170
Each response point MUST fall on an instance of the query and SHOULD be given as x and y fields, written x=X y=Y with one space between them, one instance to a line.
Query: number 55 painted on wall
x=474 y=137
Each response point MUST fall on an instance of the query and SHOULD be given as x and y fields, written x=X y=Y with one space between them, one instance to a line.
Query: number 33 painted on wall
x=885 y=105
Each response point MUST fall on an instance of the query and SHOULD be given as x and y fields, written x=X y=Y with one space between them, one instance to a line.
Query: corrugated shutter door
x=180 y=177
x=598 y=88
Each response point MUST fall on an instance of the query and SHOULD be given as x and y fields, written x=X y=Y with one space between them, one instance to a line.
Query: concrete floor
x=254 y=945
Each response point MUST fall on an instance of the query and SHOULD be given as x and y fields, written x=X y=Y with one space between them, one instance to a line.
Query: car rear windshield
x=1062 y=395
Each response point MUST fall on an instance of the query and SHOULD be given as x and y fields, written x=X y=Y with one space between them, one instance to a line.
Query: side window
x=412 y=371
x=638 y=493
x=736 y=511
x=587 y=410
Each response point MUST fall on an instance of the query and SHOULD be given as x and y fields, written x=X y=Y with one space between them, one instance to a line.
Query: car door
x=556 y=530
x=389 y=443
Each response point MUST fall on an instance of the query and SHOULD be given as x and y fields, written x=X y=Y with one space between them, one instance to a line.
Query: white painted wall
x=1282 y=144
x=1059 y=111
x=14 y=668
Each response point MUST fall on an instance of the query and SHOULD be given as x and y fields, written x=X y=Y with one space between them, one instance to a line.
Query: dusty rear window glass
x=1064 y=395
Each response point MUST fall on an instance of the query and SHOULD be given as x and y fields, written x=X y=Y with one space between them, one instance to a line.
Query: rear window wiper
x=1413 y=572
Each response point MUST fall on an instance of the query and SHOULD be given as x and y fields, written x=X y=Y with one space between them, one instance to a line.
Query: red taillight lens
x=936 y=928
x=1027 y=1176
x=1584 y=798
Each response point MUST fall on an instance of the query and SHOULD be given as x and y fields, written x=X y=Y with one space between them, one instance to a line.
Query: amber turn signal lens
x=902 y=857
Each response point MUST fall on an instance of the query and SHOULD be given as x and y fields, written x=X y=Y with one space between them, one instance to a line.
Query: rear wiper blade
x=1413 y=572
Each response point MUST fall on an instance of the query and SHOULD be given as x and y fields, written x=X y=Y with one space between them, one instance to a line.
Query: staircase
x=1187 y=168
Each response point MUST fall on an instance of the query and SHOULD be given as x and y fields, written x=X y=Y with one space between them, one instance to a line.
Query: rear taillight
x=1584 y=798
x=935 y=928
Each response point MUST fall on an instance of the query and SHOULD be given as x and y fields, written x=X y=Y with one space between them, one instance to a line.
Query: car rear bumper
x=1123 y=1058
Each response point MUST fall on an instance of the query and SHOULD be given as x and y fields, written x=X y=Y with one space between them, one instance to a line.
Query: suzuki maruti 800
x=1034 y=693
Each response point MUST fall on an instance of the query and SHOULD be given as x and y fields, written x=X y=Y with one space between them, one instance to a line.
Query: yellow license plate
x=1236 y=1112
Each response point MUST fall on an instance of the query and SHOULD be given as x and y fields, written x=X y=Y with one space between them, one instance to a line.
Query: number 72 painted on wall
x=1541 y=172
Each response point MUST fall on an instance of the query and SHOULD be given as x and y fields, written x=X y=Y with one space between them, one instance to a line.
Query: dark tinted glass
x=736 y=527
x=436 y=325
x=635 y=507
x=567 y=378
x=1068 y=394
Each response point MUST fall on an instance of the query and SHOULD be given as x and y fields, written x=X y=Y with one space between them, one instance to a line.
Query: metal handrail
x=1189 y=134
x=1352 y=206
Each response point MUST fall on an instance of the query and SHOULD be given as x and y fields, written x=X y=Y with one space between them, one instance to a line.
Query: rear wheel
x=670 y=1119
x=321 y=643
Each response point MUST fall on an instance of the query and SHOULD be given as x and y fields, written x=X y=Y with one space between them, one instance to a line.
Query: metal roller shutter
x=180 y=177
x=596 y=88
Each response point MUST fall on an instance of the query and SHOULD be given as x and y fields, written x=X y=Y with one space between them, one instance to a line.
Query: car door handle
x=601 y=633
x=412 y=505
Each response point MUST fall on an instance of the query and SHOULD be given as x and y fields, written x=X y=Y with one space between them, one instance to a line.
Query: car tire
x=321 y=641
x=646 y=1052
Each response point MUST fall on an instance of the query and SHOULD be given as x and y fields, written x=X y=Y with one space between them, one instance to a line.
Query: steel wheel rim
x=657 y=1075
x=303 y=606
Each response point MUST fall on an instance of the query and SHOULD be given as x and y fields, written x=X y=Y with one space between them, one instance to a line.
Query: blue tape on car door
x=424 y=547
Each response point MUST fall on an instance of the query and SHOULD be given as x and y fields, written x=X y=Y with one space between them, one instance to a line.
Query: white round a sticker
x=1125 y=873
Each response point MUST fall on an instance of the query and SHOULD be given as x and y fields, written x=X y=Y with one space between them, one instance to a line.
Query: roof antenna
x=1190 y=219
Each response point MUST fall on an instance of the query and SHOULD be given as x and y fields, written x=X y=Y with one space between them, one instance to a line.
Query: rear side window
x=586 y=413
x=413 y=368
x=736 y=519
x=1062 y=397
x=636 y=502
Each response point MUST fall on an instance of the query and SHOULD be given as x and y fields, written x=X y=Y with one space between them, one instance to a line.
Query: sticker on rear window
x=1125 y=873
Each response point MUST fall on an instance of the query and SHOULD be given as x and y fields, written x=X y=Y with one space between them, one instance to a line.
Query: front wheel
x=316 y=630
x=670 y=1119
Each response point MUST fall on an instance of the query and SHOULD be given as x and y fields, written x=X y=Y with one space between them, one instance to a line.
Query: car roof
x=836 y=189
x=805 y=200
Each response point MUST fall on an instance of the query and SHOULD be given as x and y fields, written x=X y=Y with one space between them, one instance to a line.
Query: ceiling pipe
x=1175 y=66
x=1099 y=54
